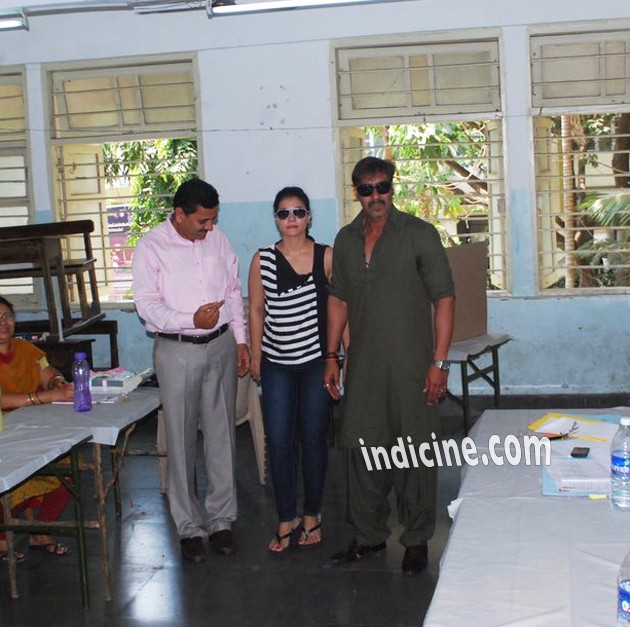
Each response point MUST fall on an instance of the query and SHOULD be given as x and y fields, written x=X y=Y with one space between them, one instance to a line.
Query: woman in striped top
x=287 y=321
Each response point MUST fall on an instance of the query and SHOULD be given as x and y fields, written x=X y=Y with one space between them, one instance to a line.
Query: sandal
x=280 y=547
x=19 y=556
x=52 y=548
x=305 y=540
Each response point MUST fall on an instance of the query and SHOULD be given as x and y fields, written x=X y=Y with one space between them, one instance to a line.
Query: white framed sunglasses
x=298 y=212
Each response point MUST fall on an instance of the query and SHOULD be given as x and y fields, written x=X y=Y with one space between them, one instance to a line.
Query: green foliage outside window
x=155 y=169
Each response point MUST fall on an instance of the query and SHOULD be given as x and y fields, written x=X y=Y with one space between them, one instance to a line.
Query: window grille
x=117 y=102
x=413 y=80
x=581 y=99
x=14 y=188
x=433 y=109
x=123 y=137
x=587 y=69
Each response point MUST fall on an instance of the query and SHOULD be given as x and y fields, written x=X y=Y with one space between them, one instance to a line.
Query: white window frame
x=92 y=202
x=14 y=147
x=573 y=74
x=348 y=119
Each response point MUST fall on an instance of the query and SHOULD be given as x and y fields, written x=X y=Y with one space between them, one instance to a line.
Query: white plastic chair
x=247 y=410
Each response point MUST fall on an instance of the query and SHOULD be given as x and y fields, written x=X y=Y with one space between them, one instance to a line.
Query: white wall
x=266 y=117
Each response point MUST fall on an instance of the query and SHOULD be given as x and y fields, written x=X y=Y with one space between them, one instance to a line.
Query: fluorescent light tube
x=13 y=21
x=281 y=5
x=163 y=6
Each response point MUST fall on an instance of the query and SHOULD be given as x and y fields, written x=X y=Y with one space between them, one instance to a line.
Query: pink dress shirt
x=173 y=277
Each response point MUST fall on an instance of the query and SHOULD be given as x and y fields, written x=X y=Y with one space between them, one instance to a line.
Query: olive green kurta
x=391 y=328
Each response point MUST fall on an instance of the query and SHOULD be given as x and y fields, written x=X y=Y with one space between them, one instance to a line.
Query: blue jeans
x=293 y=398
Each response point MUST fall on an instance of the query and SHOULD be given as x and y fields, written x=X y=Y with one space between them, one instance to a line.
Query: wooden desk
x=99 y=327
x=61 y=354
x=37 y=251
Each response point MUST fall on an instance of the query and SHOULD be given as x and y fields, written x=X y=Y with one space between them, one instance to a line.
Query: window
x=124 y=137
x=581 y=87
x=450 y=165
x=398 y=81
x=14 y=188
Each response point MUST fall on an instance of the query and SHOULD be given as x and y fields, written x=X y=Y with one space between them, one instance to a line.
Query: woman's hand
x=61 y=394
x=242 y=359
x=254 y=368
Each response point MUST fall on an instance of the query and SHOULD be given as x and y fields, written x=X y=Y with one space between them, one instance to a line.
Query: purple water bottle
x=81 y=380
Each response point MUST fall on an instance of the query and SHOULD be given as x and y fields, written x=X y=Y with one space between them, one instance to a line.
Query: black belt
x=194 y=339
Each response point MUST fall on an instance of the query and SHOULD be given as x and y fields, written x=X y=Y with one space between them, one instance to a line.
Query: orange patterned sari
x=19 y=374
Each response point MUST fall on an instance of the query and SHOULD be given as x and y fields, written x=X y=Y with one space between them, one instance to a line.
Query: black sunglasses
x=298 y=212
x=365 y=189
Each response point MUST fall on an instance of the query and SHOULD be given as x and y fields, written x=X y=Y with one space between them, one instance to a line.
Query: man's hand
x=331 y=379
x=242 y=359
x=435 y=384
x=207 y=316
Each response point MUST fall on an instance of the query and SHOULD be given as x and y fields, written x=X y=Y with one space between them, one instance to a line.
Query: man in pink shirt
x=187 y=292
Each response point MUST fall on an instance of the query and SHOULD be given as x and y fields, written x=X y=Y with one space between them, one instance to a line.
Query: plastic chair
x=247 y=410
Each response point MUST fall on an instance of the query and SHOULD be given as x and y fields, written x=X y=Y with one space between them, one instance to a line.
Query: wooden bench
x=37 y=251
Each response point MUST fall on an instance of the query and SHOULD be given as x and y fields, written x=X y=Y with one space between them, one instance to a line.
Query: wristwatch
x=442 y=364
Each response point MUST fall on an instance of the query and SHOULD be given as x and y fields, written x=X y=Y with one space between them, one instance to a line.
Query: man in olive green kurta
x=389 y=268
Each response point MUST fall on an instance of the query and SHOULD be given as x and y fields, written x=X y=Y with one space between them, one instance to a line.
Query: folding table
x=468 y=353
x=516 y=557
x=24 y=452
x=106 y=423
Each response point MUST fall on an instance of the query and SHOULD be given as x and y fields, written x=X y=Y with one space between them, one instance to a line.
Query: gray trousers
x=198 y=391
x=368 y=507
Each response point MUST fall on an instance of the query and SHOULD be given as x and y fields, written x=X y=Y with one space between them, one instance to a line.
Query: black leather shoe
x=192 y=549
x=357 y=551
x=415 y=560
x=222 y=542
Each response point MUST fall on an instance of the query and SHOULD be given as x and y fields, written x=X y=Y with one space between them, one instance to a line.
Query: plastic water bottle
x=623 y=593
x=81 y=380
x=620 y=467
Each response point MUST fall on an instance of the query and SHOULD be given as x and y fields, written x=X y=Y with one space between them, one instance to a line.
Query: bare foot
x=37 y=539
x=4 y=553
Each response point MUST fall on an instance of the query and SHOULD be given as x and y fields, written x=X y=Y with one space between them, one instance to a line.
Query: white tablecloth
x=531 y=562
x=504 y=422
x=105 y=421
x=517 y=558
x=25 y=450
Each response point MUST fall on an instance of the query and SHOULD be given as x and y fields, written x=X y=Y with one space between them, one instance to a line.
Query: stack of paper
x=580 y=476
x=568 y=476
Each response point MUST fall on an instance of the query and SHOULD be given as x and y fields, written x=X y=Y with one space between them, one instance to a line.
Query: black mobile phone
x=580 y=451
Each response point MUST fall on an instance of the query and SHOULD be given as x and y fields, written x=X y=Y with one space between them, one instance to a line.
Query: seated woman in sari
x=26 y=378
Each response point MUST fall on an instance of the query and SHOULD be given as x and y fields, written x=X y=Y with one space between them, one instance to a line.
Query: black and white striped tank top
x=295 y=308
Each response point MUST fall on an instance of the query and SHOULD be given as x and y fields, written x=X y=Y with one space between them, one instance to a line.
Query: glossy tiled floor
x=252 y=588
